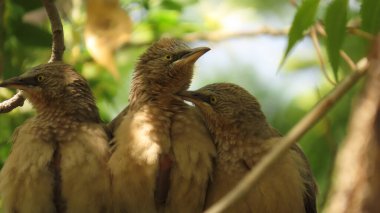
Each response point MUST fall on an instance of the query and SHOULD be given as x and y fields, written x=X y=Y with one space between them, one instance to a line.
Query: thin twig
x=314 y=38
x=307 y=122
x=356 y=31
x=58 y=43
x=8 y=105
x=348 y=60
x=293 y=3
x=218 y=36
x=58 y=47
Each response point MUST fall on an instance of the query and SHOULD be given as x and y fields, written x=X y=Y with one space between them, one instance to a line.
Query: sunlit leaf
x=171 y=5
x=108 y=27
x=335 y=23
x=370 y=13
x=303 y=19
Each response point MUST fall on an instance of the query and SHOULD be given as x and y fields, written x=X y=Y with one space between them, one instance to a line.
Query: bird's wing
x=112 y=126
x=310 y=184
x=163 y=179
x=193 y=152
x=16 y=133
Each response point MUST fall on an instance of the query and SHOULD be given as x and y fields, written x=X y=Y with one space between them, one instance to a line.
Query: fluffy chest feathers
x=142 y=136
x=33 y=178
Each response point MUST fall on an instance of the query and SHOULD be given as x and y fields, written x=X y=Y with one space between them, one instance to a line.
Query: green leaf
x=335 y=24
x=303 y=19
x=370 y=13
x=171 y=5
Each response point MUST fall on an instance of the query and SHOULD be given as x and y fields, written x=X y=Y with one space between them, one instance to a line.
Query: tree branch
x=8 y=105
x=356 y=185
x=58 y=42
x=218 y=36
x=314 y=38
x=58 y=47
x=307 y=122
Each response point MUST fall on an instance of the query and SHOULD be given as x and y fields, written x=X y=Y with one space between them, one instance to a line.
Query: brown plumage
x=58 y=157
x=163 y=154
x=242 y=136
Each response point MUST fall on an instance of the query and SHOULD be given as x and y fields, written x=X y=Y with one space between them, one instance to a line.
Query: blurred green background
x=253 y=61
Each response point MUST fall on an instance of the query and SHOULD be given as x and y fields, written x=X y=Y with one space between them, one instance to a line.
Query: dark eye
x=213 y=100
x=40 y=78
x=168 y=57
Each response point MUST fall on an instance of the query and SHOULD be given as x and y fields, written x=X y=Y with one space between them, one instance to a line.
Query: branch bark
x=58 y=42
x=219 y=36
x=356 y=187
x=58 y=48
x=8 y=105
x=286 y=142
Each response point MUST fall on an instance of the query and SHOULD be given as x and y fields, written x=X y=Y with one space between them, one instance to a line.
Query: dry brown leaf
x=107 y=28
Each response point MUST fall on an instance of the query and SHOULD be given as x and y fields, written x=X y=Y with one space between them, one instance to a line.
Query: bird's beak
x=195 y=97
x=192 y=56
x=19 y=82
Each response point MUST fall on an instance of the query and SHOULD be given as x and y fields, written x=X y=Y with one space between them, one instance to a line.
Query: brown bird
x=242 y=136
x=163 y=155
x=58 y=161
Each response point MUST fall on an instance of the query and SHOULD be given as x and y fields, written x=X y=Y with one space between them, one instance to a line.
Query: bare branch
x=218 y=36
x=58 y=43
x=10 y=104
x=307 y=122
x=356 y=31
x=314 y=38
x=348 y=60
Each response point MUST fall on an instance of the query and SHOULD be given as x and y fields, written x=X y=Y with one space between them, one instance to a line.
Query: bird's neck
x=143 y=94
x=145 y=87
x=75 y=109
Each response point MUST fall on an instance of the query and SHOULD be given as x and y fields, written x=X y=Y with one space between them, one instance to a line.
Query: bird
x=242 y=136
x=162 y=155
x=58 y=159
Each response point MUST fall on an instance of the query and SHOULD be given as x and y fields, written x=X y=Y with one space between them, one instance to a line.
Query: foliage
x=304 y=18
x=335 y=21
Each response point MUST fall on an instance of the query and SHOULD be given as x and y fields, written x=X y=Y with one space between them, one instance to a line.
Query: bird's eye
x=213 y=100
x=40 y=78
x=168 y=57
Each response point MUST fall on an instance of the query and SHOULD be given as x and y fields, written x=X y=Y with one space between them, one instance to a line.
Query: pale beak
x=192 y=56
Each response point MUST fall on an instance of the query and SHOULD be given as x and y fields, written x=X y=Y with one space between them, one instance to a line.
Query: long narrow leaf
x=335 y=23
x=370 y=13
x=304 y=18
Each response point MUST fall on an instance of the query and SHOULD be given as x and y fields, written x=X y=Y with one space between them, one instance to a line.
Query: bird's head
x=54 y=85
x=166 y=67
x=225 y=106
